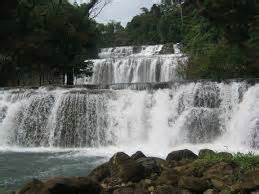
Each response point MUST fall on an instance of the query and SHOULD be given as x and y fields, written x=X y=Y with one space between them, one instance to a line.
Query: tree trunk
x=70 y=78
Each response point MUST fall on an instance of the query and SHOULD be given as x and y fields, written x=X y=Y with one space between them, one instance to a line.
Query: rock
x=206 y=152
x=226 y=191
x=33 y=187
x=126 y=190
x=62 y=185
x=125 y=169
x=168 y=48
x=249 y=181
x=225 y=155
x=167 y=189
x=219 y=184
x=181 y=155
x=150 y=165
x=193 y=184
x=9 y=192
x=138 y=155
x=101 y=172
x=210 y=191
x=72 y=185
x=220 y=170
x=168 y=177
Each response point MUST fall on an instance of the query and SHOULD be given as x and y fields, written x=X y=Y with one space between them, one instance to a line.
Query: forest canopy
x=40 y=37
x=220 y=37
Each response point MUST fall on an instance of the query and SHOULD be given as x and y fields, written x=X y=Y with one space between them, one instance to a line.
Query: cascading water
x=191 y=113
x=65 y=131
x=136 y=65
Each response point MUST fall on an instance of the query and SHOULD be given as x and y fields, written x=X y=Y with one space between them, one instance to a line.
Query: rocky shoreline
x=183 y=172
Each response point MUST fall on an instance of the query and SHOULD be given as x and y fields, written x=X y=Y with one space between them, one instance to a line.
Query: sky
x=123 y=10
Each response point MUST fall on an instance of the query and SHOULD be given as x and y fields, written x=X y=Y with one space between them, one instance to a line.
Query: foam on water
x=196 y=115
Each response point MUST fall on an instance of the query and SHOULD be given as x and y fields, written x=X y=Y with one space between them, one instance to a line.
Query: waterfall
x=136 y=64
x=141 y=103
x=190 y=113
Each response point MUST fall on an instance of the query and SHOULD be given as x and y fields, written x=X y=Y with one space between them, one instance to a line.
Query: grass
x=244 y=161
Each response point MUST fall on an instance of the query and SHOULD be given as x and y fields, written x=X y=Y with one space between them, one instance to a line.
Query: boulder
x=206 y=152
x=167 y=189
x=150 y=165
x=193 y=183
x=210 y=191
x=33 y=187
x=125 y=169
x=125 y=190
x=225 y=155
x=168 y=177
x=138 y=155
x=10 y=192
x=181 y=155
x=220 y=170
x=62 y=185
x=248 y=181
x=101 y=172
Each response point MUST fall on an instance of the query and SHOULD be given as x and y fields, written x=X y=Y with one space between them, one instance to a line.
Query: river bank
x=182 y=172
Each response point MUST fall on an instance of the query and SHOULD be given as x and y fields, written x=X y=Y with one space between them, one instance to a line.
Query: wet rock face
x=138 y=155
x=181 y=155
x=101 y=172
x=124 y=169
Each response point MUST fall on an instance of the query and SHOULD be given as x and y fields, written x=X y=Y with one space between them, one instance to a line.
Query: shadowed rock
x=181 y=155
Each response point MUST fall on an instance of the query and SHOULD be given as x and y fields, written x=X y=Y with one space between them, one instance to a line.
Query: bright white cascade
x=136 y=64
x=214 y=115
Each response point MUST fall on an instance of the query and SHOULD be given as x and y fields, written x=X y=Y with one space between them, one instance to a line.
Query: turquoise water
x=17 y=168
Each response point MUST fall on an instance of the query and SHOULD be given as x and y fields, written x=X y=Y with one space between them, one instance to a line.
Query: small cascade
x=187 y=113
x=136 y=64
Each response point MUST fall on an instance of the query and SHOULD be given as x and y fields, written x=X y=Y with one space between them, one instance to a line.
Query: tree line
x=43 y=37
x=220 y=37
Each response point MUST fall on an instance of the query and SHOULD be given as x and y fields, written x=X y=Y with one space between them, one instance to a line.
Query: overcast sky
x=123 y=10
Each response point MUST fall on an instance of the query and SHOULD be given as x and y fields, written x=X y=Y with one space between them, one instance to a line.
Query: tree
x=50 y=35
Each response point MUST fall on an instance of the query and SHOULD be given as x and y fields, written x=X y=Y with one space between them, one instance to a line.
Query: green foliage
x=216 y=39
x=246 y=161
x=50 y=35
x=112 y=34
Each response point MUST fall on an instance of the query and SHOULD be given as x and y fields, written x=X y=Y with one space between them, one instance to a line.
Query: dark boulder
x=150 y=164
x=225 y=155
x=33 y=187
x=249 y=181
x=138 y=155
x=125 y=190
x=101 y=172
x=167 y=189
x=168 y=177
x=193 y=183
x=74 y=185
x=125 y=169
x=181 y=155
x=206 y=152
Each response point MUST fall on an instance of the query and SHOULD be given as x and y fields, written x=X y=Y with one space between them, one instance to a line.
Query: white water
x=194 y=115
x=135 y=64
x=191 y=115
